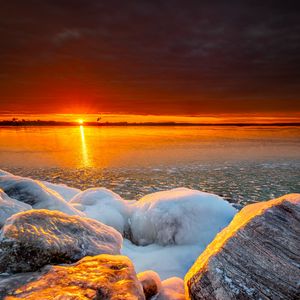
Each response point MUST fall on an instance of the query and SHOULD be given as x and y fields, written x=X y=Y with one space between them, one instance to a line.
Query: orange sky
x=201 y=58
x=157 y=118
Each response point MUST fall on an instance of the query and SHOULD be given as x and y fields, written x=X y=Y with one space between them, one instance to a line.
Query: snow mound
x=179 y=217
x=9 y=207
x=103 y=205
x=34 y=238
x=63 y=190
x=35 y=193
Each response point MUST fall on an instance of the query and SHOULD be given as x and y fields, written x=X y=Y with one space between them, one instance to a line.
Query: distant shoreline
x=5 y=123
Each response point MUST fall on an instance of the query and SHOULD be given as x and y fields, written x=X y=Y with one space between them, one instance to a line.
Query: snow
x=9 y=207
x=63 y=190
x=167 y=261
x=179 y=217
x=105 y=206
x=35 y=193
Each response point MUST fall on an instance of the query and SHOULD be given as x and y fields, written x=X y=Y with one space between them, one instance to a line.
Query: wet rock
x=172 y=289
x=255 y=257
x=32 y=239
x=151 y=283
x=100 y=277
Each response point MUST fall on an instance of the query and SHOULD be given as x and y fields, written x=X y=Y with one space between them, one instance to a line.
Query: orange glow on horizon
x=132 y=118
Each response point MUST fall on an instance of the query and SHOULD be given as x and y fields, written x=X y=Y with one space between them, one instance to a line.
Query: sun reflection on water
x=84 y=148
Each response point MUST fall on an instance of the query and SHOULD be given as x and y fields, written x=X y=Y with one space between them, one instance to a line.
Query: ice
x=179 y=216
x=167 y=261
x=63 y=190
x=105 y=206
x=35 y=193
x=9 y=207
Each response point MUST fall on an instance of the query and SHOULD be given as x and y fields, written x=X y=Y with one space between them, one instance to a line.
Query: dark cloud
x=177 y=57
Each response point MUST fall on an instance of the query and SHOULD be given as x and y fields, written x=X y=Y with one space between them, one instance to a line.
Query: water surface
x=243 y=164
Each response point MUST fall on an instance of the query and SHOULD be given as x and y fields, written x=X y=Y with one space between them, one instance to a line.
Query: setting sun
x=80 y=121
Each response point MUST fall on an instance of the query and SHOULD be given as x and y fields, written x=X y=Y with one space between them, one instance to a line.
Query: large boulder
x=255 y=257
x=9 y=207
x=103 y=205
x=32 y=239
x=36 y=194
x=179 y=217
x=100 y=277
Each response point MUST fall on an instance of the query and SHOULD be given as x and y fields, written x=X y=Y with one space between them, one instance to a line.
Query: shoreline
x=125 y=124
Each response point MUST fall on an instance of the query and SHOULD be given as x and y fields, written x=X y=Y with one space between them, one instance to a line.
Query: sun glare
x=80 y=121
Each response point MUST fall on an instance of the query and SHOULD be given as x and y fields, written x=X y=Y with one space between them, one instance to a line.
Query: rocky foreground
x=256 y=257
x=73 y=253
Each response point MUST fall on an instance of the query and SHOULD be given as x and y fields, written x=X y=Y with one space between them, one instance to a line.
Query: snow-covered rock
x=255 y=257
x=63 y=190
x=172 y=289
x=4 y=173
x=9 y=207
x=151 y=283
x=35 y=193
x=99 y=277
x=32 y=239
x=179 y=217
x=105 y=206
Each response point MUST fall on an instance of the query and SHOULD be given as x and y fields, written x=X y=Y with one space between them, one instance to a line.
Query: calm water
x=243 y=164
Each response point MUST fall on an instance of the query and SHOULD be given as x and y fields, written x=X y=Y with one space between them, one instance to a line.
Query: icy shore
x=162 y=234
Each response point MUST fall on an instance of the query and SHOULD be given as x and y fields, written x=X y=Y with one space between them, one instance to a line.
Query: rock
x=172 y=289
x=9 y=207
x=151 y=283
x=36 y=194
x=32 y=239
x=100 y=277
x=255 y=257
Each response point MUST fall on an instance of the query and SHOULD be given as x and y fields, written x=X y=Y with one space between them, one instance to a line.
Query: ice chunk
x=103 y=205
x=179 y=217
x=35 y=193
x=63 y=190
x=9 y=207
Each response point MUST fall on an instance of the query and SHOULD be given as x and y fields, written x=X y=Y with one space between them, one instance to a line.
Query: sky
x=186 y=58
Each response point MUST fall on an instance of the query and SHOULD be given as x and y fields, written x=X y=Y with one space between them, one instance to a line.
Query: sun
x=80 y=121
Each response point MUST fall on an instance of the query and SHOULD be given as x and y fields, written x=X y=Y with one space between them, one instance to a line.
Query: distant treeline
x=60 y=123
